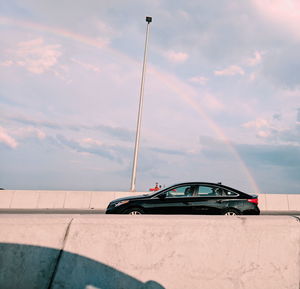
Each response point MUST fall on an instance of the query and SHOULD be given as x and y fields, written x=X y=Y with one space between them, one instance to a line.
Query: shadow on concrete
x=34 y=267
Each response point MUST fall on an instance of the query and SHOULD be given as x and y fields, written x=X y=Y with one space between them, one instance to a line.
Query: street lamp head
x=149 y=19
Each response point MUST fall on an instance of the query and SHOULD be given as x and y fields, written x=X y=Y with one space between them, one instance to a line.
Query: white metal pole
x=139 y=120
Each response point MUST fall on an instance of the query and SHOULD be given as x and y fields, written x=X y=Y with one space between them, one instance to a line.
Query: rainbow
x=57 y=31
x=171 y=82
x=188 y=98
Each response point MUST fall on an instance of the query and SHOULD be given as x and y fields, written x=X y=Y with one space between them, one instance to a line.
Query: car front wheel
x=231 y=212
x=134 y=211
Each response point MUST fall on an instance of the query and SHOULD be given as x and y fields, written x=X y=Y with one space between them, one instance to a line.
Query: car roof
x=206 y=183
x=199 y=182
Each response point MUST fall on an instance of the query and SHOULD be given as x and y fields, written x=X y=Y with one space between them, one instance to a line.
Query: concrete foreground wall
x=149 y=252
x=99 y=200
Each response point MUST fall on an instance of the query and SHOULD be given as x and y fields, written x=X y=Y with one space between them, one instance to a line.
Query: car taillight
x=254 y=201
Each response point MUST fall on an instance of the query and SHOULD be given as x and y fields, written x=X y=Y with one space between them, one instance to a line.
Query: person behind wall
x=156 y=188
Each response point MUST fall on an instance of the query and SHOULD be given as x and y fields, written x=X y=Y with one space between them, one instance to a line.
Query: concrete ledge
x=31 y=266
x=24 y=199
x=156 y=252
x=101 y=200
x=262 y=202
x=277 y=202
x=77 y=199
x=51 y=199
x=5 y=199
x=294 y=202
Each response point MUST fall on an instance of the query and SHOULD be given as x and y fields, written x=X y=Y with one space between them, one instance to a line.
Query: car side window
x=180 y=192
x=212 y=191
x=207 y=191
x=229 y=193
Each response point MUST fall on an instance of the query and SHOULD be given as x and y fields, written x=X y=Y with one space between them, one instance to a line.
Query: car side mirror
x=162 y=196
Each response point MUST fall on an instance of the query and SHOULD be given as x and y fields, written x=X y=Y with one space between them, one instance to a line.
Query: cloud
x=95 y=147
x=264 y=161
x=120 y=133
x=107 y=31
x=277 y=116
x=268 y=131
x=258 y=123
x=87 y=66
x=281 y=66
x=285 y=14
x=91 y=142
x=92 y=148
x=35 y=56
x=199 y=80
x=289 y=136
x=7 y=63
x=168 y=151
x=277 y=155
x=117 y=132
x=252 y=76
x=36 y=123
x=263 y=134
x=255 y=60
x=26 y=132
x=231 y=70
x=176 y=57
x=7 y=139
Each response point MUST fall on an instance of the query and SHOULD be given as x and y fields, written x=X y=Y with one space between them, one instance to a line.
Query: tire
x=134 y=211
x=231 y=212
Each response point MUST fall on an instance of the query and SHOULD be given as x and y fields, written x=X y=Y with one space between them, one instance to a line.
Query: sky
x=221 y=98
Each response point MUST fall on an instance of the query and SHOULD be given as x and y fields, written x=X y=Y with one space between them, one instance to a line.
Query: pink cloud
x=199 y=79
x=231 y=70
x=7 y=139
x=255 y=60
x=176 y=57
x=87 y=66
x=258 y=123
x=7 y=63
x=284 y=13
x=35 y=56
x=26 y=132
x=90 y=142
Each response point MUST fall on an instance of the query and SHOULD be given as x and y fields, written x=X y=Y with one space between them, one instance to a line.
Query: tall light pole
x=139 y=120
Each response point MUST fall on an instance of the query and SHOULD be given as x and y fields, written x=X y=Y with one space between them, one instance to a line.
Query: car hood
x=139 y=197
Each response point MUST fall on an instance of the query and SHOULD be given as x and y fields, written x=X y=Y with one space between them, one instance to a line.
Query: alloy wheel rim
x=230 y=214
x=135 y=213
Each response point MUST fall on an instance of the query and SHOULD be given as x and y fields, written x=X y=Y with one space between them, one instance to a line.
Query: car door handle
x=220 y=201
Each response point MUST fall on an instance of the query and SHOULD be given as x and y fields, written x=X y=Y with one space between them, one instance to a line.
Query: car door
x=176 y=200
x=208 y=200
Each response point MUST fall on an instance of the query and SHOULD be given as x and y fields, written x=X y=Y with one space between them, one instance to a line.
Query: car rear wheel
x=134 y=211
x=231 y=212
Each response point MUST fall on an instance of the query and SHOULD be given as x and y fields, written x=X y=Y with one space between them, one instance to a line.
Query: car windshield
x=151 y=194
x=172 y=188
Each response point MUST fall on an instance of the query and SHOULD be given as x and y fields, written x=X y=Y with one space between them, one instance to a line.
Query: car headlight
x=121 y=203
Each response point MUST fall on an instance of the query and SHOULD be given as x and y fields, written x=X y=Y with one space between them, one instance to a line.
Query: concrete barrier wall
x=99 y=200
x=25 y=199
x=150 y=252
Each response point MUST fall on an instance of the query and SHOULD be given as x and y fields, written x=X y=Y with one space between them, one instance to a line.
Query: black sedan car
x=189 y=198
